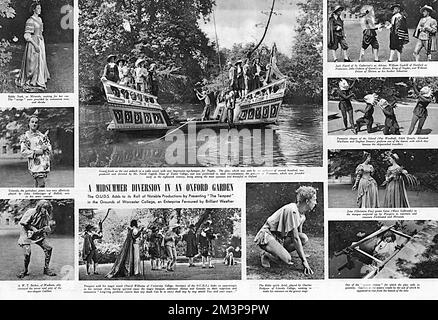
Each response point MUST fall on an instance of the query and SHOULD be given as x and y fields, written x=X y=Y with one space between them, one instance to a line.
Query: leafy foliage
x=305 y=69
x=165 y=32
x=383 y=10
x=6 y=12
x=62 y=214
x=422 y=163
x=115 y=226
x=59 y=122
x=390 y=88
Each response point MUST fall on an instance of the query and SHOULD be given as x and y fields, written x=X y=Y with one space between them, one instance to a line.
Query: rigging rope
x=266 y=30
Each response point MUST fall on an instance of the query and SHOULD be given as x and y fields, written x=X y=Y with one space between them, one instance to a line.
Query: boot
x=49 y=272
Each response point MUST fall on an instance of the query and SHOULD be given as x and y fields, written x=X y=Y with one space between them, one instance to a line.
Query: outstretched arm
x=299 y=247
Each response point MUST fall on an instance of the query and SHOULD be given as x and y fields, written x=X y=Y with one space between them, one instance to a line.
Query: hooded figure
x=391 y=124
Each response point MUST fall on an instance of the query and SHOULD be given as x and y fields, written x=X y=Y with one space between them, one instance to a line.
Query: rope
x=172 y=131
x=266 y=30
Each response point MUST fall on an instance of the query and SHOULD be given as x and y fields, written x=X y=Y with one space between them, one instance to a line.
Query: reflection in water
x=297 y=140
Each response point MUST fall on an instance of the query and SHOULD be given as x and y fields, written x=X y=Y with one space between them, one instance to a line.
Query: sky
x=236 y=22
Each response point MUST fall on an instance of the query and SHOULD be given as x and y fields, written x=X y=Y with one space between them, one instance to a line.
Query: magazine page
x=218 y=150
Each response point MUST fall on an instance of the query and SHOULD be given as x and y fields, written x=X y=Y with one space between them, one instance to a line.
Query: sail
x=274 y=73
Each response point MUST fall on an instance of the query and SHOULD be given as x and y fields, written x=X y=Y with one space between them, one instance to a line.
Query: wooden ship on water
x=132 y=110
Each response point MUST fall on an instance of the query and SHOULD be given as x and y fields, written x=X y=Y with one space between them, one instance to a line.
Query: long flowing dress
x=34 y=72
x=127 y=262
x=367 y=191
x=396 y=195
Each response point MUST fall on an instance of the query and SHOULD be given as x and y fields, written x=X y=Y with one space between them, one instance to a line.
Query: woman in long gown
x=366 y=186
x=34 y=73
x=395 y=195
x=128 y=261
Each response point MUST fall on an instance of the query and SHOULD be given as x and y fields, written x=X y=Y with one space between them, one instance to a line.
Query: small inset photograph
x=36 y=45
x=160 y=244
x=382 y=31
x=383 y=178
x=285 y=231
x=382 y=106
x=383 y=249
x=37 y=239
x=37 y=147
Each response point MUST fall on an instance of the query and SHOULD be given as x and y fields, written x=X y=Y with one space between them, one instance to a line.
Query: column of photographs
x=37 y=140
x=382 y=180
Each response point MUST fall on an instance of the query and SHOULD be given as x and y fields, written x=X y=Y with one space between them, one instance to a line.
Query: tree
x=115 y=227
x=62 y=214
x=165 y=32
x=306 y=68
x=383 y=10
x=422 y=163
x=6 y=12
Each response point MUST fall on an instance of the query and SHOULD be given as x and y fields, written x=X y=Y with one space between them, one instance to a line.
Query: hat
x=110 y=57
x=338 y=8
x=426 y=91
x=139 y=60
x=238 y=62
x=152 y=66
x=209 y=221
x=121 y=59
x=426 y=7
x=398 y=5
x=89 y=227
x=382 y=103
x=343 y=85
x=370 y=98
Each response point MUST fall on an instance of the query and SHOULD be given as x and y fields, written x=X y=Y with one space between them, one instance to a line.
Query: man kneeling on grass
x=282 y=232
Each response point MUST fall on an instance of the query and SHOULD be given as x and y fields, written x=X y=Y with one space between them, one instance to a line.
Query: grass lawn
x=11 y=262
x=315 y=248
x=15 y=174
x=403 y=114
x=353 y=34
x=60 y=62
x=341 y=196
x=182 y=272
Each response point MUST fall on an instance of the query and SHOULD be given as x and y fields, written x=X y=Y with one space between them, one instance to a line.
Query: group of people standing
x=391 y=126
x=243 y=76
x=367 y=188
x=425 y=33
x=160 y=245
x=138 y=75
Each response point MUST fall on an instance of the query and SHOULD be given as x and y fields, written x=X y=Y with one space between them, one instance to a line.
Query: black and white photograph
x=37 y=239
x=285 y=231
x=181 y=83
x=37 y=147
x=383 y=178
x=160 y=244
x=383 y=249
x=383 y=106
x=382 y=31
x=36 y=46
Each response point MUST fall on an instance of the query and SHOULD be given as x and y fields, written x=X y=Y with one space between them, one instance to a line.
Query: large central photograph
x=200 y=83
